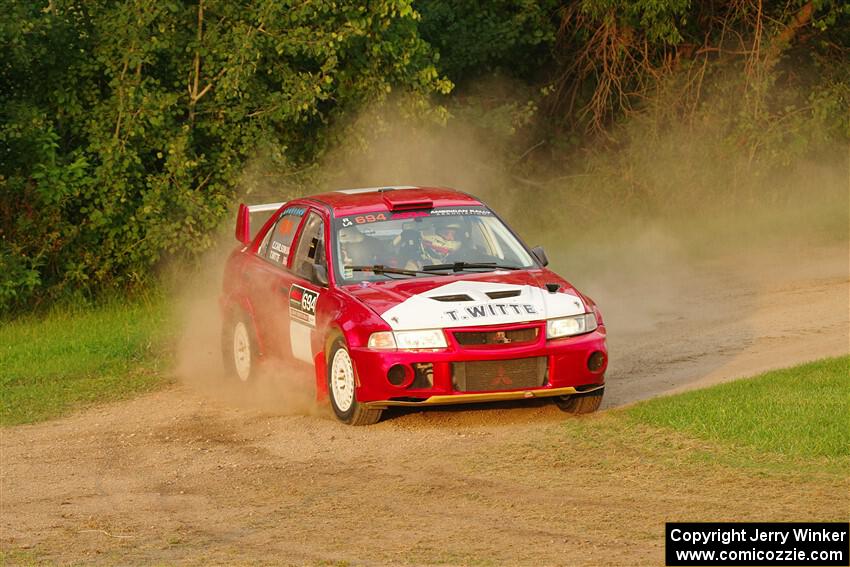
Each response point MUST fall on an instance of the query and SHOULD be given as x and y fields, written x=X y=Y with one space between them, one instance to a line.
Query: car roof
x=344 y=202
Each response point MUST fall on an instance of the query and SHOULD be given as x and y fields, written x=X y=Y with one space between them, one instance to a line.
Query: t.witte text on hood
x=474 y=303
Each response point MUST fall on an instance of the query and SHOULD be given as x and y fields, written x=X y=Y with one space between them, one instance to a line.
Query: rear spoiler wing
x=243 y=219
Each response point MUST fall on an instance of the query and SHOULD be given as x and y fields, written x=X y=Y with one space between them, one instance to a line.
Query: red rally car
x=407 y=296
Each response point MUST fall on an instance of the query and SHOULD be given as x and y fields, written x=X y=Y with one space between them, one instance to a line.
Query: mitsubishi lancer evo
x=406 y=296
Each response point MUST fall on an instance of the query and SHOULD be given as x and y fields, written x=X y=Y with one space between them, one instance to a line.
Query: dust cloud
x=281 y=387
x=660 y=235
x=634 y=227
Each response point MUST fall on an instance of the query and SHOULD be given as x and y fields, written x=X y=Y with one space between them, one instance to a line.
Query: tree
x=126 y=124
x=614 y=52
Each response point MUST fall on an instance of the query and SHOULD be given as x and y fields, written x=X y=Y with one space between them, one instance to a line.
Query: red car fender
x=320 y=362
x=591 y=306
x=321 y=377
x=344 y=317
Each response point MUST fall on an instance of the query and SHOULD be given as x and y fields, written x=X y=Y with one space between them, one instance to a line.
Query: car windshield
x=386 y=245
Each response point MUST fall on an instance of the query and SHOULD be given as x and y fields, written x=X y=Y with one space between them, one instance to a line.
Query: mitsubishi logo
x=501 y=338
x=501 y=378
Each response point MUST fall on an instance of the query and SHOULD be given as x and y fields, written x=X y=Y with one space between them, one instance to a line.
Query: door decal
x=302 y=321
x=302 y=304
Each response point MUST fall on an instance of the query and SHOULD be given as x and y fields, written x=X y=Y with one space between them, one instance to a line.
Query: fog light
x=400 y=375
x=596 y=361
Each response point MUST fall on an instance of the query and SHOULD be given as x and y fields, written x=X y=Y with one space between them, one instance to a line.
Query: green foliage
x=656 y=20
x=125 y=125
x=475 y=38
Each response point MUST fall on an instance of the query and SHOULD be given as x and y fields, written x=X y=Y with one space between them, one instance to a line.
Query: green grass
x=68 y=358
x=799 y=413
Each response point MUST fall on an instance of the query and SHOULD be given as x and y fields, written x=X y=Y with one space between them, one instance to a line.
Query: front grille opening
x=495 y=375
x=503 y=294
x=456 y=297
x=514 y=336
x=423 y=375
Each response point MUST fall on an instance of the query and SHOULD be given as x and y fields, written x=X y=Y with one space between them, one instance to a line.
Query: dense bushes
x=125 y=126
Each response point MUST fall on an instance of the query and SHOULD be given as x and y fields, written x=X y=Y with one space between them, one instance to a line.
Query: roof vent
x=396 y=202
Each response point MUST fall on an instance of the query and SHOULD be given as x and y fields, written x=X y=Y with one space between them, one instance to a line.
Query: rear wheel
x=239 y=350
x=580 y=403
x=341 y=385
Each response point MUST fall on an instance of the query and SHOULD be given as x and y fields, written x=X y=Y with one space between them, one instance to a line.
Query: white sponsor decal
x=302 y=304
x=466 y=304
x=300 y=337
x=480 y=211
x=302 y=322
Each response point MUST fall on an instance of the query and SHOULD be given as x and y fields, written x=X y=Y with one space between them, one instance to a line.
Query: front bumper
x=566 y=369
x=484 y=397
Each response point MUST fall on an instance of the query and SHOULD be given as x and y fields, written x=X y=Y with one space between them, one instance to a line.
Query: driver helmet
x=445 y=240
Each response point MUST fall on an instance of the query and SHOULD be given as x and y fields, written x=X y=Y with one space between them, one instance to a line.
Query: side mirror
x=540 y=254
x=320 y=275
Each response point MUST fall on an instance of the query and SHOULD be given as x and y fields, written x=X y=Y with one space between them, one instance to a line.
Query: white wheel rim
x=342 y=380
x=242 y=351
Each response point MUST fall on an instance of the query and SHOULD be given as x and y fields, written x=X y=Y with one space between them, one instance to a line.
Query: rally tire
x=341 y=388
x=239 y=349
x=580 y=403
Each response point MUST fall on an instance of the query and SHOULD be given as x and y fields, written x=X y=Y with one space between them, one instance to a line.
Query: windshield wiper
x=460 y=266
x=379 y=269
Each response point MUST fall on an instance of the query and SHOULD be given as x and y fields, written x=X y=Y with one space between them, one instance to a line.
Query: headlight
x=569 y=326
x=433 y=338
x=408 y=340
x=382 y=340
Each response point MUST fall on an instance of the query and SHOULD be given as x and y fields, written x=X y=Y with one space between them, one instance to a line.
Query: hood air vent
x=449 y=298
x=503 y=294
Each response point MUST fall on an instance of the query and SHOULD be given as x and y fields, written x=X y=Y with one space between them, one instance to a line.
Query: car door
x=305 y=291
x=271 y=280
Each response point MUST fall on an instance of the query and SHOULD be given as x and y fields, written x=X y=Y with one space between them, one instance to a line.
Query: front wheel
x=341 y=385
x=580 y=403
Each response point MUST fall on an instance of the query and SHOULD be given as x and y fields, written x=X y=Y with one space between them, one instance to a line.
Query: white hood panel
x=473 y=307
